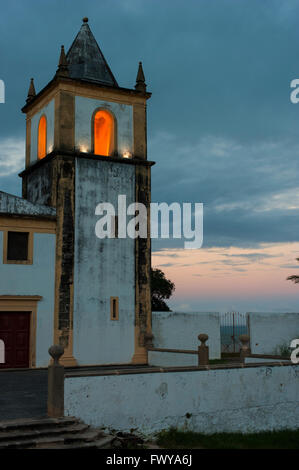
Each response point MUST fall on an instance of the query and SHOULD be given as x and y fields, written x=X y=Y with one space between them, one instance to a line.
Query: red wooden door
x=15 y=332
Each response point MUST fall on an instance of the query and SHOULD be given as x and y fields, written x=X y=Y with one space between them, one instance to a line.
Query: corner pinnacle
x=62 y=70
x=140 y=79
x=31 y=91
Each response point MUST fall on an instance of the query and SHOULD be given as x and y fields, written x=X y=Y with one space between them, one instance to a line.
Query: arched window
x=42 y=138
x=104 y=133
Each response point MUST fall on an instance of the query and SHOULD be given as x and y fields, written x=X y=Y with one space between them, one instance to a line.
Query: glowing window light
x=127 y=154
x=103 y=133
x=42 y=138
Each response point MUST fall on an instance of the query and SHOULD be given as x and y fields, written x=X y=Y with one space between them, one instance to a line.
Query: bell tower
x=86 y=144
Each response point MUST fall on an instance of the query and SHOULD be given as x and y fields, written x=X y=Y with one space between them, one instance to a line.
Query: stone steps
x=105 y=442
x=35 y=423
x=46 y=431
x=49 y=433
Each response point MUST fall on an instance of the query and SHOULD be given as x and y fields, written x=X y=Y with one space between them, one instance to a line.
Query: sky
x=221 y=128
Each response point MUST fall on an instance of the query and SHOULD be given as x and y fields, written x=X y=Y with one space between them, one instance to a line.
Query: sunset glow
x=238 y=276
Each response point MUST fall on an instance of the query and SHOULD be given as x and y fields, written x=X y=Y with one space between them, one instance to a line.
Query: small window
x=17 y=247
x=42 y=138
x=114 y=312
x=104 y=133
x=114 y=226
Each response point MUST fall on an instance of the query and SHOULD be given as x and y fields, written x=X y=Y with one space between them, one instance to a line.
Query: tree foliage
x=294 y=278
x=162 y=288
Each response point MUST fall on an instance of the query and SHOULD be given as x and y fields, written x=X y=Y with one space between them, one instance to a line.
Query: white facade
x=35 y=279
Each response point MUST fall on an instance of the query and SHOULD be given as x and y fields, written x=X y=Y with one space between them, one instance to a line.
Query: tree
x=162 y=289
x=294 y=278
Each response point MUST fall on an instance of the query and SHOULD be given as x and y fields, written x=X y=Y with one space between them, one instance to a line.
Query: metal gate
x=232 y=325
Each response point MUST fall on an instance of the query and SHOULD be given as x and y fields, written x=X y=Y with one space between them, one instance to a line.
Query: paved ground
x=23 y=394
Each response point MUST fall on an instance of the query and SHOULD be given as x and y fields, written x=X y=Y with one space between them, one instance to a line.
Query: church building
x=86 y=144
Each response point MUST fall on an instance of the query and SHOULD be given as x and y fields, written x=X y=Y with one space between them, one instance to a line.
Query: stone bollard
x=203 y=350
x=56 y=383
x=245 y=347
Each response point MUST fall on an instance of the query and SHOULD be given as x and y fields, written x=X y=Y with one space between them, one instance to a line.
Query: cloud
x=231 y=143
x=12 y=151
x=166 y=265
x=249 y=191
x=250 y=257
x=289 y=266
x=209 y=283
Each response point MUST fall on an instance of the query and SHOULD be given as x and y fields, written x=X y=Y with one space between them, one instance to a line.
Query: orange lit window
x=103 y=133
x=42 y=138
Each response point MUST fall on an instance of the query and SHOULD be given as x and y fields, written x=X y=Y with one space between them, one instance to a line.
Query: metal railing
x=232 y=325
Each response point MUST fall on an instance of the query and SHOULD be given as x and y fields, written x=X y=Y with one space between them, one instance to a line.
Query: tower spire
x=140 y=79
x=63 y=70
x=86 y=60
x=31 y=91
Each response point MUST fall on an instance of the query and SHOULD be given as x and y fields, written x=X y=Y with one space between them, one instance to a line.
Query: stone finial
x=31 y=91
x=85 y=19
x=63 y=69
x=140 y=79
x=203 y=338
x=203 y=350
x=56 y=351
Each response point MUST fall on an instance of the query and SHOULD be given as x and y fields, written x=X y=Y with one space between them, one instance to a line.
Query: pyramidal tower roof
x=86 y=61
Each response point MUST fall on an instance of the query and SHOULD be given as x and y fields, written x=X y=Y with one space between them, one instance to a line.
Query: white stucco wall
x=35 y=279
x=48 y=110
x=224 y=400
x=268 y=331
x=176 y=330
x=103 y=268
x=84 y=109
x=256 y=360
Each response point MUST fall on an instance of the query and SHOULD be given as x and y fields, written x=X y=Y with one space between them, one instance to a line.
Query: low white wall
x=268 y=331
x=224 y=400
x=256 y=360
x=176 y=330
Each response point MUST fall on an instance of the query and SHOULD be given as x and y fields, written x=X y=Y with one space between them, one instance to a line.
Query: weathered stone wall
x=177 y=330
x=37 y=185
x=269 y=331
x=103 y=268
x=250 y=399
